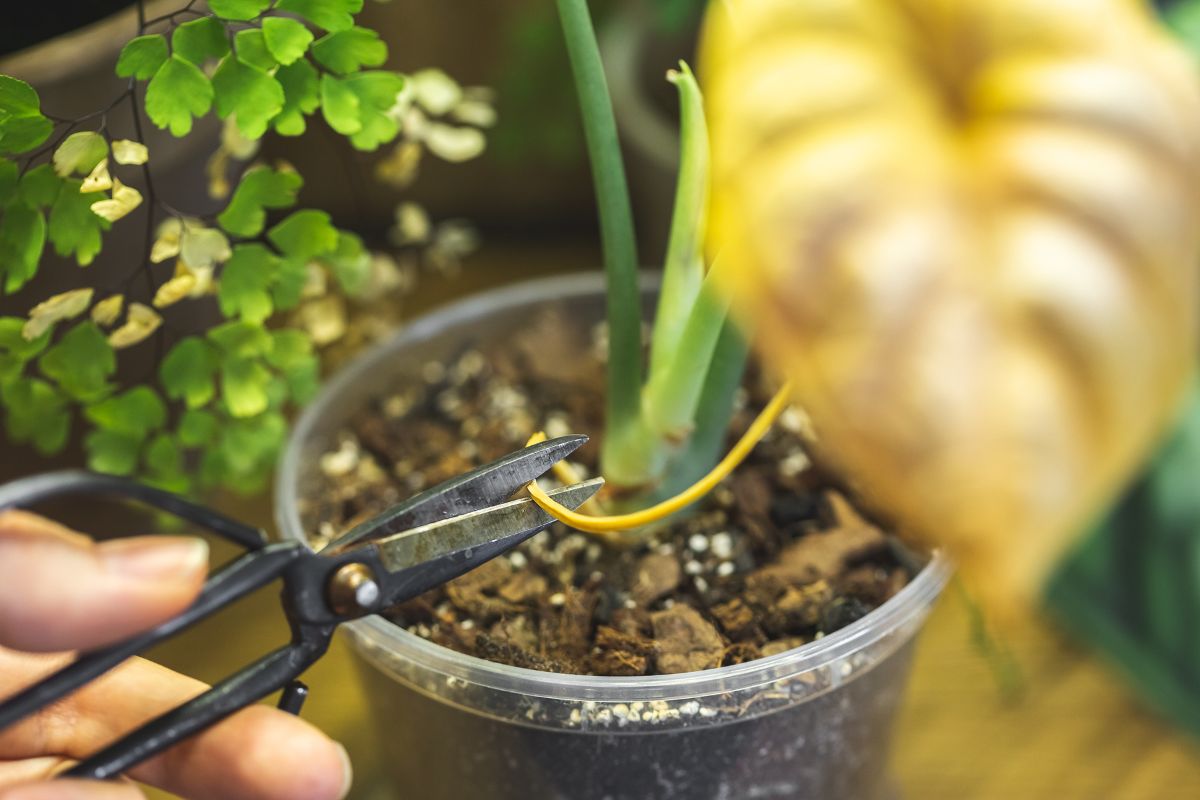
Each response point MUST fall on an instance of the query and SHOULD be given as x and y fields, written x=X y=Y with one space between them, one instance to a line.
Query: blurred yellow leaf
x=455 y=144
x=98 y=180
x=167 y=240
x=435 y=91
x=175 y=289
x=127 y=151
x=967 y=232
x=140 y=322
x=105 y=312
x=203 y=247
x=124 y=200
x=47 y=313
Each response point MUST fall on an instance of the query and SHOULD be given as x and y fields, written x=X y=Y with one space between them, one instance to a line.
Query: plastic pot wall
x=813 y=722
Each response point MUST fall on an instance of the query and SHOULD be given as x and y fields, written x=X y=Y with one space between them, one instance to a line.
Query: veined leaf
x=176 y=94
x=245 y=282
x=286 y=39
x=200 y=40
x=142 y=57
x=22 y=126
x=81 y=363
x=22 y=237
x=187 y=372
x=74 y=228
x=350 y=50
x=332 y=15
x=260 y=188
x=305 y=234
x=80 y=152
x=249 y=93
x=301 y=96
x=251 y=47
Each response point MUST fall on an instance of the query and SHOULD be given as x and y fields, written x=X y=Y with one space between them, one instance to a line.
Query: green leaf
x=286 y=38
x=245 y=280
x=350 y=50
x=244 y=387
x=13 y=341
x=239 y=339
x=81 y=363
x=332 y=15
x=22 y=237
x=111 y=452
x=260 y=188
x=74 y=227
x=36 y=413
x=8 y=181
x=301 y=96
x=79 y=152
x=339 y=105
x=249 y=93
x=250 y=446
x=293 y=356
x=304 y=235
x=290 y=280
x=177 y=93
x=200 y=40
x=251 y=46
x=142 y=57
x=163 y=458
x=241 y=10
x=39 y=187
x=350 y=263
x=197 y=428
x=376 y=93
x=22 y=126
x=134 y=413
x=187 y=372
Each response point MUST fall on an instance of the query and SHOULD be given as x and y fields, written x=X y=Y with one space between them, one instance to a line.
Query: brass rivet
x=353 y=589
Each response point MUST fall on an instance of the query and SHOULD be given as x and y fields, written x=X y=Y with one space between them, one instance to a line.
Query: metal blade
x=425 y=557
x=478 y=489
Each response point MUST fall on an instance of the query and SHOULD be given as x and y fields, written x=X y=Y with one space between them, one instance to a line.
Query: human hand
x=59 y=592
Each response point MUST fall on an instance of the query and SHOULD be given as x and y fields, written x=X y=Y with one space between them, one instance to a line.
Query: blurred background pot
x=813 y=722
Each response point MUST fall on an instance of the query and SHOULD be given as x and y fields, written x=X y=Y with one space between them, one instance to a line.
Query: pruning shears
x=403 y=552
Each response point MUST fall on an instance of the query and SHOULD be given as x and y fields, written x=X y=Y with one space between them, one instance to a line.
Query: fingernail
x=155 y=556
x=347 y=771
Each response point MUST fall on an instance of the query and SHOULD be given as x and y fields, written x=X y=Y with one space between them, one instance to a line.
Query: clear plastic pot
x=813 y=722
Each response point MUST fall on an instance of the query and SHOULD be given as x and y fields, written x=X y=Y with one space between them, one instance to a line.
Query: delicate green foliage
x=288 y=287
x=260 y=188
x=22 y=126
x=200 y=40
x=81 y=363
x=22 y=237
x=244 y=387
x=246 y=281
x=246 y=451
x=112 y=452
x=197 y=428
x=187 y=372
x=292 y=354
x=240 y=10
x=350 y=50
x=332 y=15
x=350 y=263
x=36 y=413
x=142 y=57
x=251 y=47
x=249 y=93
x=74 y=228
x=305 y=235
x=301 y=96
x=39 y=187
x=135 y=412
x=79 y=153
x=357 y=106
x=176 y=94
x=8 y=181
x=13 y=342
x=241 y=339
x=286 y=39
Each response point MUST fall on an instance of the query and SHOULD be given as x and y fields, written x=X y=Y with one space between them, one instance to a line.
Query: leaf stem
x=622 y=457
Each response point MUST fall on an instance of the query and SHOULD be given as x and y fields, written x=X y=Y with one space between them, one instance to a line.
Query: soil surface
x=772 y=559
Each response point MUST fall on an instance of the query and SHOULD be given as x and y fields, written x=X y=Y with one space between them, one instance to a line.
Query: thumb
x=60 y=590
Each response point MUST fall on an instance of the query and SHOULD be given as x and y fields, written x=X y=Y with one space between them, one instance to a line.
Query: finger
x=61 y=591
x=72 y=790
x=257 y=754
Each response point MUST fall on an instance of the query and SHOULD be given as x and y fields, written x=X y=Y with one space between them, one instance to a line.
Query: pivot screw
x=353 y=589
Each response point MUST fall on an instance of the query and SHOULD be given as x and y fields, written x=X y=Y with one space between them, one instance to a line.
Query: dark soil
x=770 y=560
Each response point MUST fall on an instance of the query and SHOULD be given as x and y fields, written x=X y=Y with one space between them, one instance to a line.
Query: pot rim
x=376 y=636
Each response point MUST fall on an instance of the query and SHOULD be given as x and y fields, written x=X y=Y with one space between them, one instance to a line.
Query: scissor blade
x=478 y=489
x=432 y=554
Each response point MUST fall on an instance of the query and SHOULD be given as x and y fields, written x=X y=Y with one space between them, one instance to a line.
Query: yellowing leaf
x=203 y=247
x=454 y=144
x=967 y=232
x=79 y=152
x=175 y=289
x=98 y=180
x=167 y=240
x=399 y=167
x=127 y=151
x=140 y=322
x=124 y=200
x=412 y=224
x=324 y=319
x=105 y=312
x=47 y=313
x=436 y=91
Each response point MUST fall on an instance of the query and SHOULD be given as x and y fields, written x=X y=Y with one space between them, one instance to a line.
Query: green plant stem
x=672 y=397
x=623 y=458
x=683 y=270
